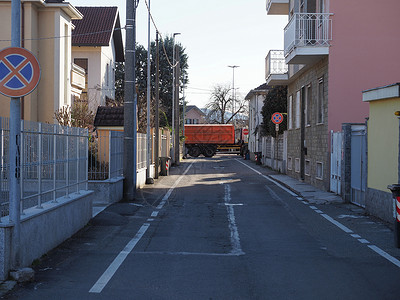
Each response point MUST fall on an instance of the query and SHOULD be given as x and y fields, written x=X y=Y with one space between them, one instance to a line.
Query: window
x=107 y=74
x=320 y=170
x=308 y=105
x=307 y=167
x=83 y=63
x=298 y=109
x=290 y=112
x=289 y=163
x=297 y=165
x=320 y=102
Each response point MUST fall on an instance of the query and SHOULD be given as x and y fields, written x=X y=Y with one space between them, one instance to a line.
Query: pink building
x=334 y=50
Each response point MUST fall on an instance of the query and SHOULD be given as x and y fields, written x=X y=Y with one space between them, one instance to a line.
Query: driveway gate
x=358 y=164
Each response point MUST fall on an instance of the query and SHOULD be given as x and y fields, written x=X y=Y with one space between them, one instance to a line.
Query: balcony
x=276 y=70
x=277 y=7
x=307 y=37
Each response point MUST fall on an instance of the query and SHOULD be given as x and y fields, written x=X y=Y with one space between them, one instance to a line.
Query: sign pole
x=14 y=146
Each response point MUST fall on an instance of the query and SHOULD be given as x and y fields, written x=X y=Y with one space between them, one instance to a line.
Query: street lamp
x=233 y=89
x=173 y=96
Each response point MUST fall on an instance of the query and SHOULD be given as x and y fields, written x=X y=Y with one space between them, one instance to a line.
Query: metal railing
x=106 y=151
x=308 y=30
x=275 y=63
x=141 y=150
x=53 y=163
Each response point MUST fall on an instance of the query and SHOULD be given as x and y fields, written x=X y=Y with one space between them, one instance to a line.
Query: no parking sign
x=19 y=72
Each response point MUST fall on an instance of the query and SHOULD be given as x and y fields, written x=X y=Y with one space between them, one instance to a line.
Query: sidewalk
x=307 y=191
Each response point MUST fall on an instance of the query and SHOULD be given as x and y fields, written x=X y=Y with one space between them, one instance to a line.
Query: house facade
x=256 y=101
x=330 y=60
x=194 y=115
x=383 y=149
x=46 y=28
x=96 y=47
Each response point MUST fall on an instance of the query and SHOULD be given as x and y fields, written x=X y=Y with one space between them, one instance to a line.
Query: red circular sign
x=245 y=131
x=19 y=72
x=277 y=118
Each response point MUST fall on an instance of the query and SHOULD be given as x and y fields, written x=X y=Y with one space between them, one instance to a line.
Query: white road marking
x=235 y=239
x=334 y=222
x=269 y=179
x=385 y=255
x=183 y=253
x=109 y=273
x=319 y=211
x=363 y=241
x=168 y=194
x=313 y=207
x=114 y=266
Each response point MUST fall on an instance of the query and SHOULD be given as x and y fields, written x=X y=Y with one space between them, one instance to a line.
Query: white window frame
x=320 y=101
x=307 y=167
x=289 y=165
x=290 y=112
x=319 y=166
x=298 y=97
x=308 y=106
x=297 y=165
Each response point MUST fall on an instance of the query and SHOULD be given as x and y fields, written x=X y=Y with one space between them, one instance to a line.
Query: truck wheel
x=194 y=152
x=208 y=152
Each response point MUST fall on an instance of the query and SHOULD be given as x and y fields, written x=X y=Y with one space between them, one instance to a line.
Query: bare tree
x=221 y=107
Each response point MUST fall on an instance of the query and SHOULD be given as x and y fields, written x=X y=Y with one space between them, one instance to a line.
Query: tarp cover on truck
x=209 y=134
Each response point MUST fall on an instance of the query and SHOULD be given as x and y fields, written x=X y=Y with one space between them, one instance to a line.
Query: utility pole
x=233 y=89
x=130 y=103
x=177 y=75
x=173 y=96
x=14 y=145
x=183 y=117
x=157 y=116
x=149 y=179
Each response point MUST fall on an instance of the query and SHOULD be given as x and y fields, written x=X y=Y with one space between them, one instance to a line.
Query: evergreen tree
x=275 y=101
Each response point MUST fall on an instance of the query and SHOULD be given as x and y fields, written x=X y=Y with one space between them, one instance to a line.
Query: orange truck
x=207 y=139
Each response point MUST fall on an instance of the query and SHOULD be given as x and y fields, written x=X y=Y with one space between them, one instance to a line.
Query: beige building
x=96 y=47
x=194 y=115
x=46 y=32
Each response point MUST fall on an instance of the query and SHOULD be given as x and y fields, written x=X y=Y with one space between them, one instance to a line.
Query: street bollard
x=165 y=164
x=395 y=188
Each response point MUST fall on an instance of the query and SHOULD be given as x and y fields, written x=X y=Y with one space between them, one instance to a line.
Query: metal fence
x=53 y=163
x=141 y=150
x=106 y=151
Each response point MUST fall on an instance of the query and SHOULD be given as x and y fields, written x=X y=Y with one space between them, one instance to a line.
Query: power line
x=68 y=36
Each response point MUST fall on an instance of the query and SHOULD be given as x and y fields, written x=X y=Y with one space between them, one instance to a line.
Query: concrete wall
x=43 y=229
x=107 y=191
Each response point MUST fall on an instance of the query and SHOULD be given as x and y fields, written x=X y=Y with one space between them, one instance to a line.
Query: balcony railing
x=275 y=63
x=308 y=30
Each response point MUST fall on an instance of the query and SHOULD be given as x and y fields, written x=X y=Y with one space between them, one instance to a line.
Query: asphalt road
x=216 y=228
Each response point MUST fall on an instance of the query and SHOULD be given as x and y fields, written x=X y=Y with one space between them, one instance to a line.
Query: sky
x=215 y=34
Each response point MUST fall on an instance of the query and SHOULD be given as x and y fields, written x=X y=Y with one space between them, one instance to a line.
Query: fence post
x=23 y=163
x=40 y=163
x=1 y=166
x=87 y=157
x=55 y=163
x=67 y=164
x=77 y=137
x=109 y=154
